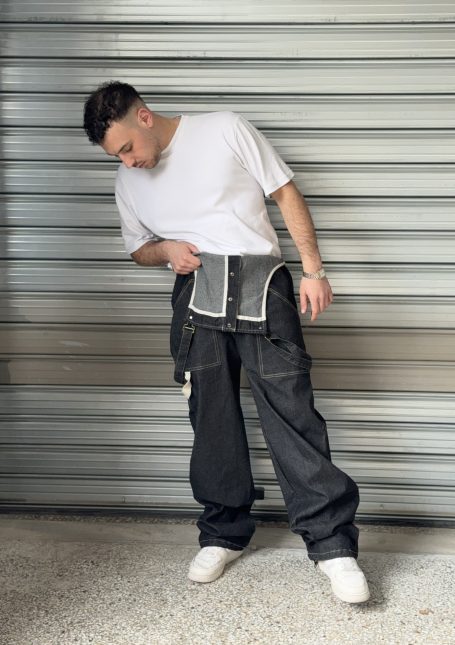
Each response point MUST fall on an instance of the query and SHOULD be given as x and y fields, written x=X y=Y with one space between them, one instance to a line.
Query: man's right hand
x=181 y=256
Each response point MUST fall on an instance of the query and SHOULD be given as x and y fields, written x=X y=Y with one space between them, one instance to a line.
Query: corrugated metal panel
x=343 y=213
x=151 y=341
x=380 y=246
x=345 y=311
x=297 y=146
x=346 y=374
x=357 y=180
x=288 y=12
x=173 y=464
x=368 y=281
x=228 y=41
x=252 y=76
x=266 y=111
x=143 y=434
x=358 y=98
x=378 y=501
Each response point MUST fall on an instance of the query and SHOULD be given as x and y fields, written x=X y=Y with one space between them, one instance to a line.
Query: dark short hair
x=109 y=102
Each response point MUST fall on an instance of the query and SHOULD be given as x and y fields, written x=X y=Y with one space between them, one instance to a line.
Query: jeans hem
x=219 y=542
x=335 y=553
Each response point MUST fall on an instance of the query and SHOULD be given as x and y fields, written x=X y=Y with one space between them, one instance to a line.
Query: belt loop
x=187 y=335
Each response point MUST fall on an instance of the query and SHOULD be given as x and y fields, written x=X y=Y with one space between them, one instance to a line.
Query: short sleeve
x=134 y=233
x=259 y=157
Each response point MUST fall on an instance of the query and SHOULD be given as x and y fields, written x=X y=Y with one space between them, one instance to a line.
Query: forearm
x=299 y=222
x=152 y=254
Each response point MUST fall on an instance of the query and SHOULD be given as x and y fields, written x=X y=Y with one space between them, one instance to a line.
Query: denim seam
x=305 y=363
x=299 y=370
x=284 y=299
x=332 y=551
x=179 y=349
x=222 y=328
x=221 y=540
x=203 y=367
x=217 y=359
x=184 y=288
x=282 y=373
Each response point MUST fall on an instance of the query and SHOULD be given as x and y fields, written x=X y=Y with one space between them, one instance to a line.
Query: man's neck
x=168 y=126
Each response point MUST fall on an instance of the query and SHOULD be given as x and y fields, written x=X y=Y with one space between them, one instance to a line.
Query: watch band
x=318 y=275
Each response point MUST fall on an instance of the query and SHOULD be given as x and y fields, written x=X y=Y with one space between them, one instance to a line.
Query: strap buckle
x=189 y=326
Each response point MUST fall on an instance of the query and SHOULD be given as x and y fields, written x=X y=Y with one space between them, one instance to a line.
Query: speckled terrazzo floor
x=122 y=581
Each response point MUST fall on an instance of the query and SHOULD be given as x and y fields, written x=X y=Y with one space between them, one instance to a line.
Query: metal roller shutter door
x=358 y=99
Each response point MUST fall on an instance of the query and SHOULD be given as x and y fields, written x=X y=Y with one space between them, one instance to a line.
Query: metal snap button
x=232 y=273
x=230 y=298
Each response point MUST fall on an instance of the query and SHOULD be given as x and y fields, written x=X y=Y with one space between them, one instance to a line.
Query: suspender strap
x=184 y=348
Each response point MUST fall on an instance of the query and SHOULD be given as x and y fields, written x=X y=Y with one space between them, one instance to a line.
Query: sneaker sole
x=205 y=577
x=342 y=594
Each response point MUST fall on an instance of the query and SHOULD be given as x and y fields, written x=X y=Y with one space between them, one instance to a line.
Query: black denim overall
x=321 y=500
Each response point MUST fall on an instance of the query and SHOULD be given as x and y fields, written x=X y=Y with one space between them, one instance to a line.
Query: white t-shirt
x=208 y=188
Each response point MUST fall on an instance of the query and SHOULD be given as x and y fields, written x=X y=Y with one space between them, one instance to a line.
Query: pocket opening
x=290 y=351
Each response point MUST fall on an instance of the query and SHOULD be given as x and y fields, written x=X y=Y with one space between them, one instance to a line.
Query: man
x=190 y=192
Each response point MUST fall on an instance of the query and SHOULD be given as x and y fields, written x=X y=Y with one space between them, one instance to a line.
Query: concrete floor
x=116 y=580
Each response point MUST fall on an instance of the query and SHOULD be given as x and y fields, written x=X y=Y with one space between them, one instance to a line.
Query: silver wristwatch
x=318 y=275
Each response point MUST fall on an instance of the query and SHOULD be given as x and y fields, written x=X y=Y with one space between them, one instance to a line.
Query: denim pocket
x=204 y=350
x=280 y=356
x=180 y=298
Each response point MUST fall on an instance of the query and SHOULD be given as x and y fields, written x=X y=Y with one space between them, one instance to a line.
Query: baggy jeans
x=321 y=500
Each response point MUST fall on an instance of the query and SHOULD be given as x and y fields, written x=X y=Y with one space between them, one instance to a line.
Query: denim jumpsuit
x=208 y=351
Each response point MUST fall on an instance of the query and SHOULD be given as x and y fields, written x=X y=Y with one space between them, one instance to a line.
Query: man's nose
x=126 y=160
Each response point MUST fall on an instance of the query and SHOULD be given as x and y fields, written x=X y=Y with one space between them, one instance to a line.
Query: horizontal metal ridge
x=335 y=246
x=119 y=341
x=212 y=76
x=352 y=374
x=199 y=11
x=232 y=41
x=265 y=111
x=51 y=401
x=321 y=180
x=368 y=279
x=170 y=429
x=341 y=213
x=356 y=312
x=379 y=500
x=294 y=145
x=169 y=464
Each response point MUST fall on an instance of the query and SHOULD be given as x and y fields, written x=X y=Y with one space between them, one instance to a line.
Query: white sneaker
x=209 y=563
x=347 y=578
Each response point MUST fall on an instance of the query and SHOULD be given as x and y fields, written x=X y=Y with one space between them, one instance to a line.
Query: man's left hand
x=317 y=292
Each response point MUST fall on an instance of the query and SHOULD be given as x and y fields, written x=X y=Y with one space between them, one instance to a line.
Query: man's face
x=133 y=140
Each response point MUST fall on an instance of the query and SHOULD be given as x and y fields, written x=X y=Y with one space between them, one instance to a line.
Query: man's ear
x=145 y=117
